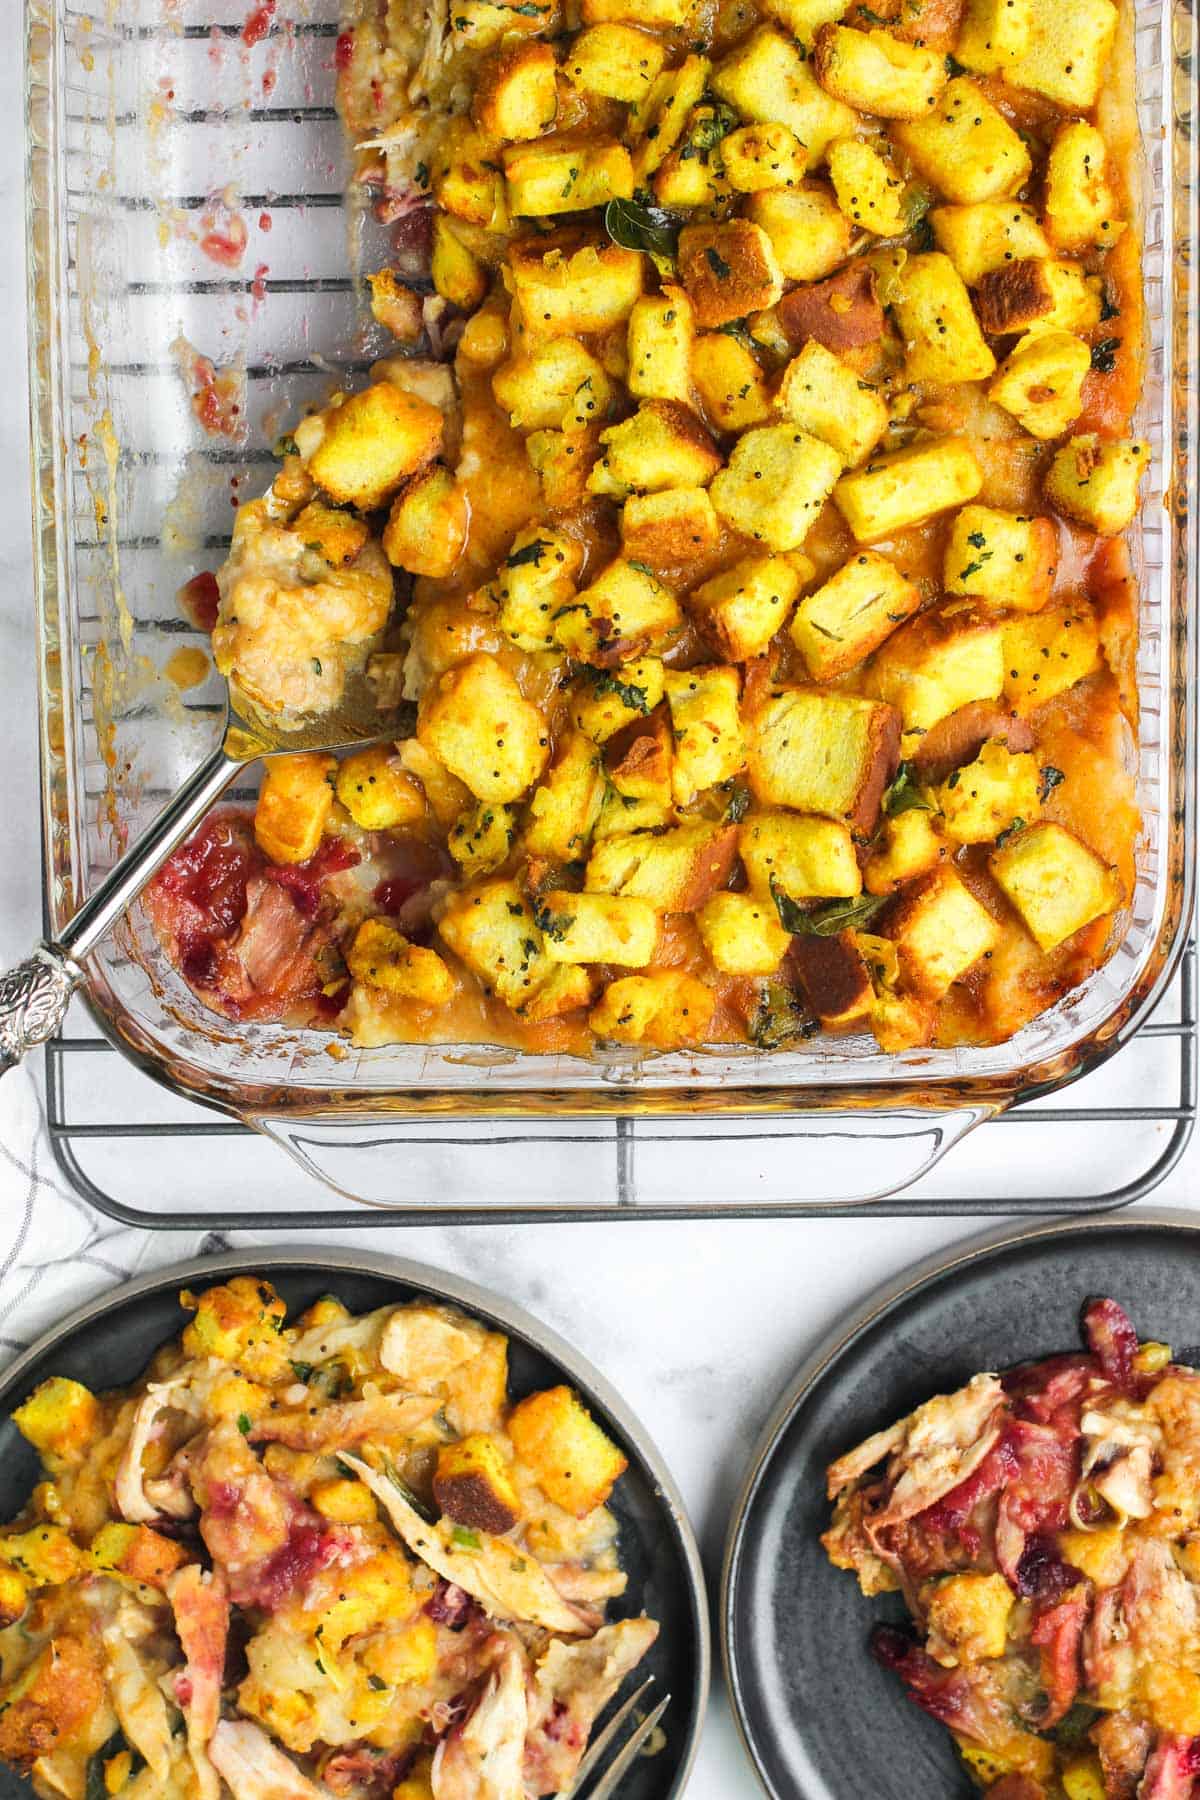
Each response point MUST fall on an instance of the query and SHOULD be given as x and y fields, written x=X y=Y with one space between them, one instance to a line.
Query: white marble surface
x=699 y=1325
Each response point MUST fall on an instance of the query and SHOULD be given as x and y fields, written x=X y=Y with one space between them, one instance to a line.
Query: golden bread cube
x=835 y=979
x=446 y=794
x=1000 y=789
x=473 y=1485
x=376 y=791
x=380 y=957
x=968 y=1618
x=535 y=580
x=938 y=662
x=577 y=290
x=654 y=14
x=625 y=613
x=563 y=461
x=829 y=753
x=1003 y=557
x=763 y=156
x=804 y=18
x=770 y=80
x=663 y=1010
x=334 y=534
x=61 y=1419
x=566 y=989
x=669 y=529
x=1095 y=481
x=658 y=121
x=1080 y=205
x=907 y=486
x=692 y=176
x=597 y=928
x=604 y=702
x=825 y=397
x=372 y=442
x=564 y=175
x=344 y=1502
x=742 y=934
x=869 y=190
x=1042 y=293
x=427 y=526
x=937 y=323
x=481 y=24
x=481 y=839
x=139 y=1554
x=850 y=615
x=940 y=931
x=775 y=484
x=14 y=1595
x=548 y=385
x=489 y=926
x=663 y=445
x=908 y=844
x=1067 y=53
x=1047 y=652
x=805 y=858
x=570 y=1457
x=476 y=721
x=677 y=870
x=993 y=33
x=396 y=307
x=1041 y=382
x=808 y=232
x=468 y=181
x=616 y=61
x=707 y=727
x=457 y=273
x=293 y=805
x=659 y=347
x=965 y=146
x=45 y=1554
x=987 y=235
x=643 y=771
x=875 y=72
x=516 y=91
x=729 y=269
x=730 y=382
x=742 y=608
x=1056 y=883
x=563 y=810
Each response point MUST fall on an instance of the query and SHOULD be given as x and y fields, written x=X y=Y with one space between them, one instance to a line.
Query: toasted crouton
x=565 y=174
x=708 y=734
x=468 y=182
x=1038 y=291
x=968 y=1617
x=481 y=838
x=563 y=810
x=376 y=791
x=1096 y=481
x=802 y=857
x=965 y=146
x=555 y=383
x=678 y=870
x=1055 y=882
x=293 y=805
x=824 y=396
x=381 y=958
x=804 y=18
x=875 y=72
x=61 y=1418
x=763 y=156
x=331 y=532
x=427 y=526
x=669 y=529
x=991 y=234
x=473 y=1486
x=625 y=612
x=639 y=766
x=1041 y=382
x=942 y=339
x=869 y=189
x=940 y=931
x=659 y=119
x=603 y=703
x=741 y=609
x=1047 y=652
x=938 y=662
x=835 y=980
x=617 y=61
x=988 y=796
x=490 y=928
x=533 y=583
x=456 y=272
x=728 y=269
x=729 y=380
x=827 y=753
x=742 y=934
x=574 y=288
x=516 y=91
x=851 y=614
x=909 y=844
x=663 y=445
x=776 y=482
x=808 y=232
x=597 y=928
x=993 y=34
x=372 y=442
x=907 y=486
x=770 y=81
x=664 y=1010
x=564 y=1449
x=660 y=347
x=1067 y=52
x=476 y=720
x=1080 y=204
x=1002 y=557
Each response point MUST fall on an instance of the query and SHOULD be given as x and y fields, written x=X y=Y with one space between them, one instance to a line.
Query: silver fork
x=618 y=1768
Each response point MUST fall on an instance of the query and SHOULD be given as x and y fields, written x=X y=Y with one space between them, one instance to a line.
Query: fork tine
x=608 y=1784
x=600 y=1744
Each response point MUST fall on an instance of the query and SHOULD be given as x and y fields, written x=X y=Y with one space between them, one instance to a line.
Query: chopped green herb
x=529 y=553
x=602 y=682
x=973 y=568
x=1104 y=355
x=904 y=795
x=421 y=175
x=551 y=924
x=464 y=1539
x=739 y=803
x=302 y=1371
x=1018 y=824
x=243 y=1424
x=716 y=262
x=636 y=225
x=1051 y=778
x=376 y=1684
x=780 y=1018
x=827 y=919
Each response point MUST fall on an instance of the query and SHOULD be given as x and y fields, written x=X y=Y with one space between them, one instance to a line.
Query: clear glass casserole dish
x=185 y=203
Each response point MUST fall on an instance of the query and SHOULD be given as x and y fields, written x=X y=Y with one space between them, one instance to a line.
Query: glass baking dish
x=162 y=132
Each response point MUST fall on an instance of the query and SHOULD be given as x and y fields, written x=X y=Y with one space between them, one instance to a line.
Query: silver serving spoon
x=34 y=996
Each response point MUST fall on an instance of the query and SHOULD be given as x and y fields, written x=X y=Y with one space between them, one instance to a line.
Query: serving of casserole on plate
x=743 y=515
x=323 y=1553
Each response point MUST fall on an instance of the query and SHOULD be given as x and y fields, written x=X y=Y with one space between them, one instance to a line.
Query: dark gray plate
x=819 y=1718
x=108 y=1343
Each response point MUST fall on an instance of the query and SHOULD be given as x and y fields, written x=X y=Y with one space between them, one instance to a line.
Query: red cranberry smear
x=449 y=1605
x=309 y=1547
x=1041 y=1571
x=202 y=886
x=937 y=1691
x=343 y=53
x=303 y=880
x=259 y=23
x=199 y=599
x=1111 y=1339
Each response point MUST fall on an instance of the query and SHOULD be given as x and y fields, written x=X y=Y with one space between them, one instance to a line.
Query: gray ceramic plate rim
x=934 y=1268
x=472 y=1299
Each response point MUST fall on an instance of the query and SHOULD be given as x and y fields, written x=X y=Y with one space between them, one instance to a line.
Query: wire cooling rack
x=146 y=1158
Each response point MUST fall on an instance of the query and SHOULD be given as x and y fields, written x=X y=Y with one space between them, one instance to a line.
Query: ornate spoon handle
x=33 y=999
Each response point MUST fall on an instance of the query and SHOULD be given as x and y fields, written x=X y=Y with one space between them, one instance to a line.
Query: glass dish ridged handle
x=34 y=996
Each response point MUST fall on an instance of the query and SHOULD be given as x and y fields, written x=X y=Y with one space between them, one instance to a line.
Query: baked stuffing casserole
x=321 y=1559
x=741 y=518
x=1044 y=1530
